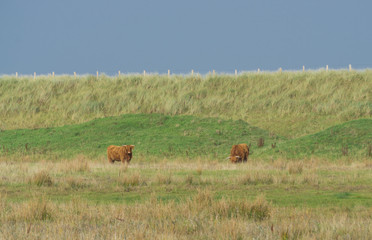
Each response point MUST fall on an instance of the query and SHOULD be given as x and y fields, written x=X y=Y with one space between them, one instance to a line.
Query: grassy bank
x=156 y=135
x=289 y=104
x=152 y=134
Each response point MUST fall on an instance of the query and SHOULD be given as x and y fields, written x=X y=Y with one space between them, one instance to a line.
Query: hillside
x=152 y=134
x=354 y=137
x=290 y=104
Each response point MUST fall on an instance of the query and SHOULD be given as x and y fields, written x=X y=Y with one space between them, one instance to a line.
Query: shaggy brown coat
x=119 y=153
x=239 y=152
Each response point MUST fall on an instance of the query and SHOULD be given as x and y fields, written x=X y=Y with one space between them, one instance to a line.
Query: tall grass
x=170 y=200
x=289 y=103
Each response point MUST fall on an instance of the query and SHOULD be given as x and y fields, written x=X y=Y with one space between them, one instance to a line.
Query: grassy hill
x=290 y=104
x=184 y=136
x=352 y=139
x=153 y=135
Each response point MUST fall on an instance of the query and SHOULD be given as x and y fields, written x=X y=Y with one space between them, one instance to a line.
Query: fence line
x=210 y=73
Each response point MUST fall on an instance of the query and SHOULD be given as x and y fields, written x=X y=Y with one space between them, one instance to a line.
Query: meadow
x=308 y=175
x=81 y=198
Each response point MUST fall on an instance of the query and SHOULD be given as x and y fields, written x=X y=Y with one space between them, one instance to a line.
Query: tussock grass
x=78 y=164
x=42 y=178
x=328 y=200
x=34 y=210
x=131 y=180
x=200 y=217
x=164 y=178
x=74 y=182
x=257 y=178
x=295 y=167
x=310 y=101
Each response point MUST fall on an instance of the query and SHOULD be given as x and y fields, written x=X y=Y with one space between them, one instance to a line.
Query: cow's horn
x=237 y=156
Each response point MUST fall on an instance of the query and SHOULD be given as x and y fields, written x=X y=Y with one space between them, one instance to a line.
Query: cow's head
x=128 y=150
x=234 y=159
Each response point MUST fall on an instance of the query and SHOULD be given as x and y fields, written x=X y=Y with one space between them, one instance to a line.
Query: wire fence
x=357 y=67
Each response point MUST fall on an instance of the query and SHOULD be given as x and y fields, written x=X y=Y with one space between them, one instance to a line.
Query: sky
x=84 y=36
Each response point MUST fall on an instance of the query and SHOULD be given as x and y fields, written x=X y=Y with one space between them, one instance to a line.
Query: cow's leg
x=110 y=160
x=122 y=159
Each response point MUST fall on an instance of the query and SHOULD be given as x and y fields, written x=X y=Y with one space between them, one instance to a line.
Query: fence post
x=192 y=72
x=303 y=68
x=280 y=70
x=144 y=73
x=214 y=72
x=119 y=73
x=75 y=75
x=53 y=75
x=168 y=73
x=16 y=74
x=34 y=75
x=327 y=68
x=258 y=70
x=350 y=68
x=236 y=73
x=97 y=74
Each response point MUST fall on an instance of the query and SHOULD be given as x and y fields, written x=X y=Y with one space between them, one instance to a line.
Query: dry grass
x=224 y=202
x=257 y=178
x=200 y=217
x=131 y=180
x=79 y=164
x=295 y=167
x=164 y=178
x=311 y=101
x=42 y=179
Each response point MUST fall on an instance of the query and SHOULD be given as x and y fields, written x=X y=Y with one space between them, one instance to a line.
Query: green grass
x=355 y=135
x=317 y=186
x=152 y=134
x=290 y=104
x=184 y=136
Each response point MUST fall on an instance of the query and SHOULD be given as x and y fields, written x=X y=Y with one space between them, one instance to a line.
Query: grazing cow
x=239 y=153
x=119 y=153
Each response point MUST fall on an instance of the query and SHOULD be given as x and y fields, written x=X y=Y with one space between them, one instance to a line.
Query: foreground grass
x=290 y=104
x=177 y=200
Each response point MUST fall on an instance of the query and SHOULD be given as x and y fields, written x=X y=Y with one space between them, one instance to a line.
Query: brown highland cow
x=119 y=153
x=239 y=153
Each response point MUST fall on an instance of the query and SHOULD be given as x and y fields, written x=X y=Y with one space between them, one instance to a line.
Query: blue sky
x=131 y=36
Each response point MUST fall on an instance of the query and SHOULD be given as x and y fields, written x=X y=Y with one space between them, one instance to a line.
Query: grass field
x=85 y=198
x=187 y=137
x=311 y=179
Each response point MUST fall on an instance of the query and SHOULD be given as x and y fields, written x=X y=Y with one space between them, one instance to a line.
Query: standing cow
x=119 y=153
x=239 y=153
